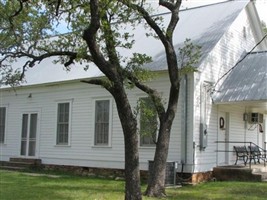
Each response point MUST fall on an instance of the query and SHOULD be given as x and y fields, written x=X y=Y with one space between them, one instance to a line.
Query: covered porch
x=242 y=112
x=242 y=134
x=241 y=125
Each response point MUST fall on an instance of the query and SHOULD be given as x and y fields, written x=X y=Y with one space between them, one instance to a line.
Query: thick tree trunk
x=129 y=126
x=132 y=174
x=156 y=183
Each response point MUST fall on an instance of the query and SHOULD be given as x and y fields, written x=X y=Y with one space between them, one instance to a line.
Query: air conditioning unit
x=255 y=118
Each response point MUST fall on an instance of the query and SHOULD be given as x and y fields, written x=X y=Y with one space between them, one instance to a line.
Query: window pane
x=24 y=126
x=23 y=148
x=148 y=122
x=33 y=126
x=101 y=122
x=2 y=134
x=32 y=148
x=2 y=124
x=63 y=123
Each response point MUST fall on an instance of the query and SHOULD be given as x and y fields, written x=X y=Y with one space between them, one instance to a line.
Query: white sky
x=261 y=6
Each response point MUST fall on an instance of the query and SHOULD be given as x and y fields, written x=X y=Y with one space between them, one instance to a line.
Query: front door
x=28 y=134
x=223 y=137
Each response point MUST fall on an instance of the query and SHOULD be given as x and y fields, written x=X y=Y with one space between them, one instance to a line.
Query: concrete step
x=26 y=160
x=17 y=164
x=262 y=174
x=260 y=170
x=12 y=168
x=235 y=173
x=20 y=163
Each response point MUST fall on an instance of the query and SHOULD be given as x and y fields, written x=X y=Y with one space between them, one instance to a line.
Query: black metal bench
x=241 y=153
x=254 y=153
x=257 y=154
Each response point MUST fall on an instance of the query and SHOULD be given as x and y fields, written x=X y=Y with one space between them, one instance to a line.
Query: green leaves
x=135 y=67
x=148 y=117
x=9 y=76
x=188 y=57
x=32 y=29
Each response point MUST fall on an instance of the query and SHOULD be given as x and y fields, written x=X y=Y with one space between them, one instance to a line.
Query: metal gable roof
x=247 y=81
x=203 y=25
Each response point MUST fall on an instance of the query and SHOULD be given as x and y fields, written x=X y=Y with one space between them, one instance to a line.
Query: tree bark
x=112 y=70
x=129 y=126
x=156 y=183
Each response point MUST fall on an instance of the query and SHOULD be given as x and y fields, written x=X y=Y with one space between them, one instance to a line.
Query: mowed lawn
x=31 y=186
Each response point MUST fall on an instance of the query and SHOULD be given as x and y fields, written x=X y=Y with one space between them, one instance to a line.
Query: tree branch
x=94 y=82
x=90 y=36
x=174 y=19
x=30 y=63
x=167 y=4
x=99 y=82
x=110 y=41
x=147 y=17
x=154 y=95
x=19 y=10
x=16 y=14
x=57 y=7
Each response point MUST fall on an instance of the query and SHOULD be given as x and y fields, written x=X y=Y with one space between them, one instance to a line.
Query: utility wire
x=240 y=60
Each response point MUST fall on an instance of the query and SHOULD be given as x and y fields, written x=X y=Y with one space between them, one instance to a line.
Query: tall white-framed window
x=2 y=124
x=102 y=122
x=148 y=125
x=63 y=123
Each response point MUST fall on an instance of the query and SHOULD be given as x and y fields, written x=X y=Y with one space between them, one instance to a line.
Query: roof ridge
x=207 y=5
x=192 y=8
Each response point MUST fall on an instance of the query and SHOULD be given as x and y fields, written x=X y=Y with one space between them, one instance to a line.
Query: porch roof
x=247 y=82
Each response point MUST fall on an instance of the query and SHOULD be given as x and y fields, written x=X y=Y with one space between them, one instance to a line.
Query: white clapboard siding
x=81 y=151
x=224 y=56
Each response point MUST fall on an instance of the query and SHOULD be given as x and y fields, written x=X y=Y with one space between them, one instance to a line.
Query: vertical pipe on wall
x=184 y=121
x=245 y=119
x=185 y=115
x=217 y=144
x=264 y=134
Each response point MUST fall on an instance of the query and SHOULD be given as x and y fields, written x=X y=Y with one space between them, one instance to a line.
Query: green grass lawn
x=20 y=186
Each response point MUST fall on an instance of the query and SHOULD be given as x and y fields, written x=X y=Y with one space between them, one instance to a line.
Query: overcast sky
x=262 y=9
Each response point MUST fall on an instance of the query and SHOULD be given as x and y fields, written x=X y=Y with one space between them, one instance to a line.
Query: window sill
x=62 y=145
x=104 y=147
x=147 y=147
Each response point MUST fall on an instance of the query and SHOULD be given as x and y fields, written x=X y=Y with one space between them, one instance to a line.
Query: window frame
x=5 y=125
x=108 y=144
x=142 y=145
x=70 y=102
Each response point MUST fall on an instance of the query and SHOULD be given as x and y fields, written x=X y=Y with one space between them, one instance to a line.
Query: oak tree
x=96 y=30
